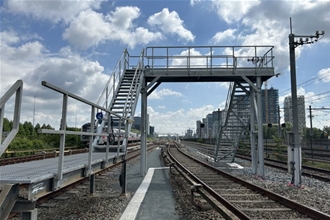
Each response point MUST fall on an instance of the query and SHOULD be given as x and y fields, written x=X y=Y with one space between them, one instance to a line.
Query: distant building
x=216 y=123
x=198 y=129
x=137 y=123
x=209 y=124
x=204 y=130
x=301 y=111
x=269 y=114
x=189 y=133
x=152 y=130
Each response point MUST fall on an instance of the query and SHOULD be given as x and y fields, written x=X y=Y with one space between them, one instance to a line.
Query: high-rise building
x=209 y=124
x=137 y=123
x=216 y=122
x=204 y=130
x=198 y=129
x=152 y=130
x=269 y=106
x=301 y=111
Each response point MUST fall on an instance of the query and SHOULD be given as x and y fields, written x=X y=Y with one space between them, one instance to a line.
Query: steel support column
x=30 y=215
x=296 y=135
x=92 y=184
x=254 y=158
x=143 y=162
x=260 y=130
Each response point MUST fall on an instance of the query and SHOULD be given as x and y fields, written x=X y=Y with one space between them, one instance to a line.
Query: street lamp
x=295 y=41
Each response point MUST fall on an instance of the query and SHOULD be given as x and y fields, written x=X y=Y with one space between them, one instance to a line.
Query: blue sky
x=76 y=44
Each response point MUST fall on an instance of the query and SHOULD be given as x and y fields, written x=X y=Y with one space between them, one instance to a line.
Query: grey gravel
x=313 y=193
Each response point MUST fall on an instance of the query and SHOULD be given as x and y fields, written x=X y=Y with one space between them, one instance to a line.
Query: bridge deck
x=41 y=175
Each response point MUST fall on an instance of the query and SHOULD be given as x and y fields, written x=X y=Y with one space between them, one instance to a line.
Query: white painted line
x=135 y=203
x=235 y=165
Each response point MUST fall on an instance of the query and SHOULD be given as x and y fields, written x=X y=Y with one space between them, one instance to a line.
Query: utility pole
x=309 y=39
x=34 y=113
x=311 y=129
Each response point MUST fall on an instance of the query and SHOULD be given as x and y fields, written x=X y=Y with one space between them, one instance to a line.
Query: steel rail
x=208 y=189
x=304 y=171
x=284 y=201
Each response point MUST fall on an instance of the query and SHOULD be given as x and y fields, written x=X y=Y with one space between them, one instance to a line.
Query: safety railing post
x=90 y=151
x=62 y=137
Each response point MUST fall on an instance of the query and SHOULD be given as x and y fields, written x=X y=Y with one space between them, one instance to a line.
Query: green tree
x=21 y=132
x=28 y=128
x=72 y=140
x=7 y=125
x=37 y=128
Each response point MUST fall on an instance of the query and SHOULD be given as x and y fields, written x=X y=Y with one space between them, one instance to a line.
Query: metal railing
x=17 y=89
x=62 y=132
x=211 y=57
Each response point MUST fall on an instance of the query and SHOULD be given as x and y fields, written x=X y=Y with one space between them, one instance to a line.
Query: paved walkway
x=153 y=198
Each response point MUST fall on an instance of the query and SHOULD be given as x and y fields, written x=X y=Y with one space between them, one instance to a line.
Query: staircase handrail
x=115 y=76
x=135 y=85
x=228 y=102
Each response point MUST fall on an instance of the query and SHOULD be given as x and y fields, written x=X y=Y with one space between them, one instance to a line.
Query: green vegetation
x=317 y=164
x=200 y=140
x=28 y=138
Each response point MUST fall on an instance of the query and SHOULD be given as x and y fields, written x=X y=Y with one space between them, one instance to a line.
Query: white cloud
x=170 y=22
x=54 y=10
x=32 y=63
x=178 y=62
x=224 y=36
x=88 y=29
x=9 y=37
x=160 y=94
x=232 y=11
x=224 y=84
x=91 y=29
x=267 y=23
x=176 y=122
x=324 y=74
x=16 y=61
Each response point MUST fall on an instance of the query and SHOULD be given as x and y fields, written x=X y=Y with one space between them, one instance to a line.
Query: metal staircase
x=120 y=96
x=236 y=120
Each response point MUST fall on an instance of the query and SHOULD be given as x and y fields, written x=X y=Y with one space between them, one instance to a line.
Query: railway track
x=240 y=198
x=41 y=156
x=313 y=172
x=316 y=173
x=45 y=155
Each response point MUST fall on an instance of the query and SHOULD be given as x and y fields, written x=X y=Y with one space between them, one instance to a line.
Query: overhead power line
x=307 y=82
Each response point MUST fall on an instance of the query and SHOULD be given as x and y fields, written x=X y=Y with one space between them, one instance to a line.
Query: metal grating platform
x=42 y=176
x=36 y=171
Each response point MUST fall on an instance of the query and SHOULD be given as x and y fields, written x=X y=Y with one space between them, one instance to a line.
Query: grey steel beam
x=18 y=89
x=254 y=158
x=143 y=162
x=261 y=171
x=8 y=197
